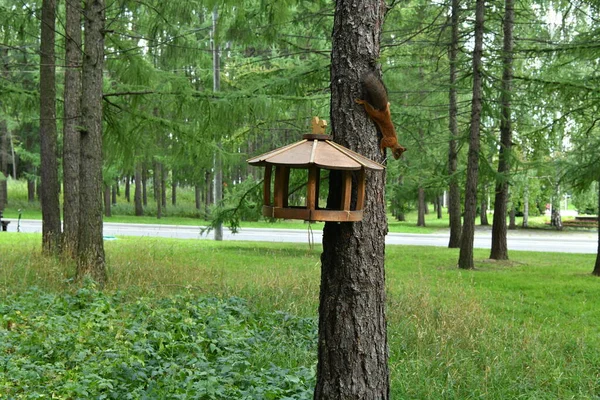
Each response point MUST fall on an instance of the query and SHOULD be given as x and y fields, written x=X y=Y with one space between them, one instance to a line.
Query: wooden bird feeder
x=314 y=152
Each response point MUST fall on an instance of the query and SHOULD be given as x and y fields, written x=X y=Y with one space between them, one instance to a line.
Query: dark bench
x=4 y=223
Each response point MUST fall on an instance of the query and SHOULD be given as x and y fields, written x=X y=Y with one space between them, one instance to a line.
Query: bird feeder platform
x=314 y=152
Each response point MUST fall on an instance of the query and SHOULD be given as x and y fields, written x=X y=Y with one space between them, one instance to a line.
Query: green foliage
x=243 y=202
x=94 y=345
x=525 y=328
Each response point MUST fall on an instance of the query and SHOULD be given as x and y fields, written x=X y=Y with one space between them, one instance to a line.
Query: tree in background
x=465 y=260
x=90 y=250
x=499 y=246
x=453 y=189
x=72 y=125
x=51 y=225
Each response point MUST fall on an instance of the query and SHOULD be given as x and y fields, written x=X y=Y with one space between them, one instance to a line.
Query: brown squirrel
x=376 y=104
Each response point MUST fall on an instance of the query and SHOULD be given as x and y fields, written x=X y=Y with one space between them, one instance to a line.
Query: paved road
x=546 y=241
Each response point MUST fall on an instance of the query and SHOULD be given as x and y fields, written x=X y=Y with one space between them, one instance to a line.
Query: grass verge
x=526 y=328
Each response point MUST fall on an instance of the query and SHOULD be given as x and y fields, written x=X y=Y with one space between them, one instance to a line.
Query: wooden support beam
x=346 y=190
x=267 y=185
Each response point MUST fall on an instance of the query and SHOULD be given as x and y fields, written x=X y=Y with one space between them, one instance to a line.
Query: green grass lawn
x=526 y=328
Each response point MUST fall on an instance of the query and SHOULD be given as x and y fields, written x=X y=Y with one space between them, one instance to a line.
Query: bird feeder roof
x=317 y=150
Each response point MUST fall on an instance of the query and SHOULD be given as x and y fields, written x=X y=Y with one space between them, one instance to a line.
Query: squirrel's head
x=397 y=151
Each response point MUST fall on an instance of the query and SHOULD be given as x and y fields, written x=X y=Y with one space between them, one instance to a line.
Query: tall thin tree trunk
x=137 y=196
x=114 y=191
x=352 y=345
x=51 y=225
x=157 y=189
x=3 y=164
x=465 y=260
x=597 y=265
x=31 y=190
x=526 y=201
x=207 y=195
x=90 y=253
x=71 y=126
x=483 y=218
x=453 y=190
x=439 y=206
x=197 y=196
x=499 y=242
x=128 y=188
x=421 y=207
x=218 y=164
x=107 y=189
x=144 y=183
x=163 y=186
x=173 y=188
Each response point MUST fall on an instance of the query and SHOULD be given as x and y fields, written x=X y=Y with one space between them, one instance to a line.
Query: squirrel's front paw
x=359 y=101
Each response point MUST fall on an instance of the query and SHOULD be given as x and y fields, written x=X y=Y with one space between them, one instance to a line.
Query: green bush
x=93 y=345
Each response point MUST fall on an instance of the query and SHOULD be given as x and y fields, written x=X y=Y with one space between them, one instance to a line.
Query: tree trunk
x=421 y=207
x=90 y=254
x=107 y=189
x=128 y=188
x=439 y=207
x=137 y=196
x=352 y=346
x=4 y=138
x=71 y=126
x=144 y=185
x=218 y=163
x=163 y=186
x=483 y=218
x=465 y=260
x=3 y=164
x=499 y=242
x=597 y=265
x=207 y=195
x=453 y=190
x=30 y=190
x=114 y=191
x=173 y=189
x=526 y=201
x=51 y=225
x=157 y=189
x=512 y=221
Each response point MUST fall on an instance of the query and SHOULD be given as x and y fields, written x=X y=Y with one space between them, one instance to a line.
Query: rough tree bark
x=465 y=259
x=499 y=243
x=72 y=126
x=51 y=225
x=90 y=251
x=352 y=348
x=453 y=190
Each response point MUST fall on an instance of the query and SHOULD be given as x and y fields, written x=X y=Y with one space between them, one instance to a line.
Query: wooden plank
x=312 y=215
x=346 y=190
x=311 y=187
